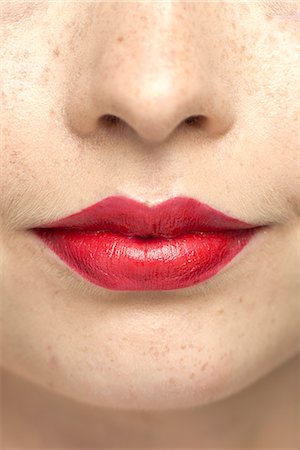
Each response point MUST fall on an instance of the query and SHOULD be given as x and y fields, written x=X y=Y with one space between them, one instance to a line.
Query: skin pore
x=212 y=366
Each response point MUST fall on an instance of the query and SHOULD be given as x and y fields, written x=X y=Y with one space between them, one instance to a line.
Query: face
x=95 y=101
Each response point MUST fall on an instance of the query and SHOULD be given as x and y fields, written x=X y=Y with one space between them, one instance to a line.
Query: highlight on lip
x=122 y=244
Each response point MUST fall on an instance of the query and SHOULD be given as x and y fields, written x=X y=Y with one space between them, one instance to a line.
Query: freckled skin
x=56 y=51
x=152 y=65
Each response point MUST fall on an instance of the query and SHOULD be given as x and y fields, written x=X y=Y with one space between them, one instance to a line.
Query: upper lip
x=173 y=217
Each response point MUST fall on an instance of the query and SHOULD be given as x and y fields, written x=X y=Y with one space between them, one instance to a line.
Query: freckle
x=204 y=366
x=56 y=51
x=172 y=380
x=268 y=17
x=49 y=347
x=183 y=347
x=240 y=299
x=45 y=75
x=53 y=361
x=220 y=311
x=192 y=375
x=120 y=39
x=131 y=392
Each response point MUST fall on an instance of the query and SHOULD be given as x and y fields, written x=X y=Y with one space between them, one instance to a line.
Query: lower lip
x=118 y=262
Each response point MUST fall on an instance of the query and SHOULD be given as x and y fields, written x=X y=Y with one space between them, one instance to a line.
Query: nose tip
x=152 y=111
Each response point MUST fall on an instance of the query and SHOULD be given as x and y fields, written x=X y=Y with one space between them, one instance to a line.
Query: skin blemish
x=159 y=352
x=203 y=367
x=220 y=311
x=132 y=395
x=56 y=51
x=53 y=363
x=45 y=75
x=120 y=39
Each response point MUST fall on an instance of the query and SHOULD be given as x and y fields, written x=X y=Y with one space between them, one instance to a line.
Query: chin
x=149 y=382
x=144 y=382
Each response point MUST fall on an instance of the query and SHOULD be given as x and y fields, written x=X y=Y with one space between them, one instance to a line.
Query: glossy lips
x=122 y=244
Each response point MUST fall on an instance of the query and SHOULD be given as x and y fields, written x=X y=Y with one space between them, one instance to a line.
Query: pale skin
x=213 y=366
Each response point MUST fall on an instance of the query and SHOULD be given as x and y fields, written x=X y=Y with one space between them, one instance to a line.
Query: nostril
x=110 y=119
x=194 y=120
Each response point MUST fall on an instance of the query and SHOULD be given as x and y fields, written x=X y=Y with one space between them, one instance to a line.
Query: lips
x=122 y=244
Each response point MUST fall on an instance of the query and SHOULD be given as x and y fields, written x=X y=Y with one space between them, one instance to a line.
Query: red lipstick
x=122 y=244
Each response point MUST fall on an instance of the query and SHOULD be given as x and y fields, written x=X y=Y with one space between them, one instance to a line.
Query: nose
x=152 y=75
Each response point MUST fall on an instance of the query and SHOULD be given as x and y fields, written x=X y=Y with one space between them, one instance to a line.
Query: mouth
x=122 y=244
